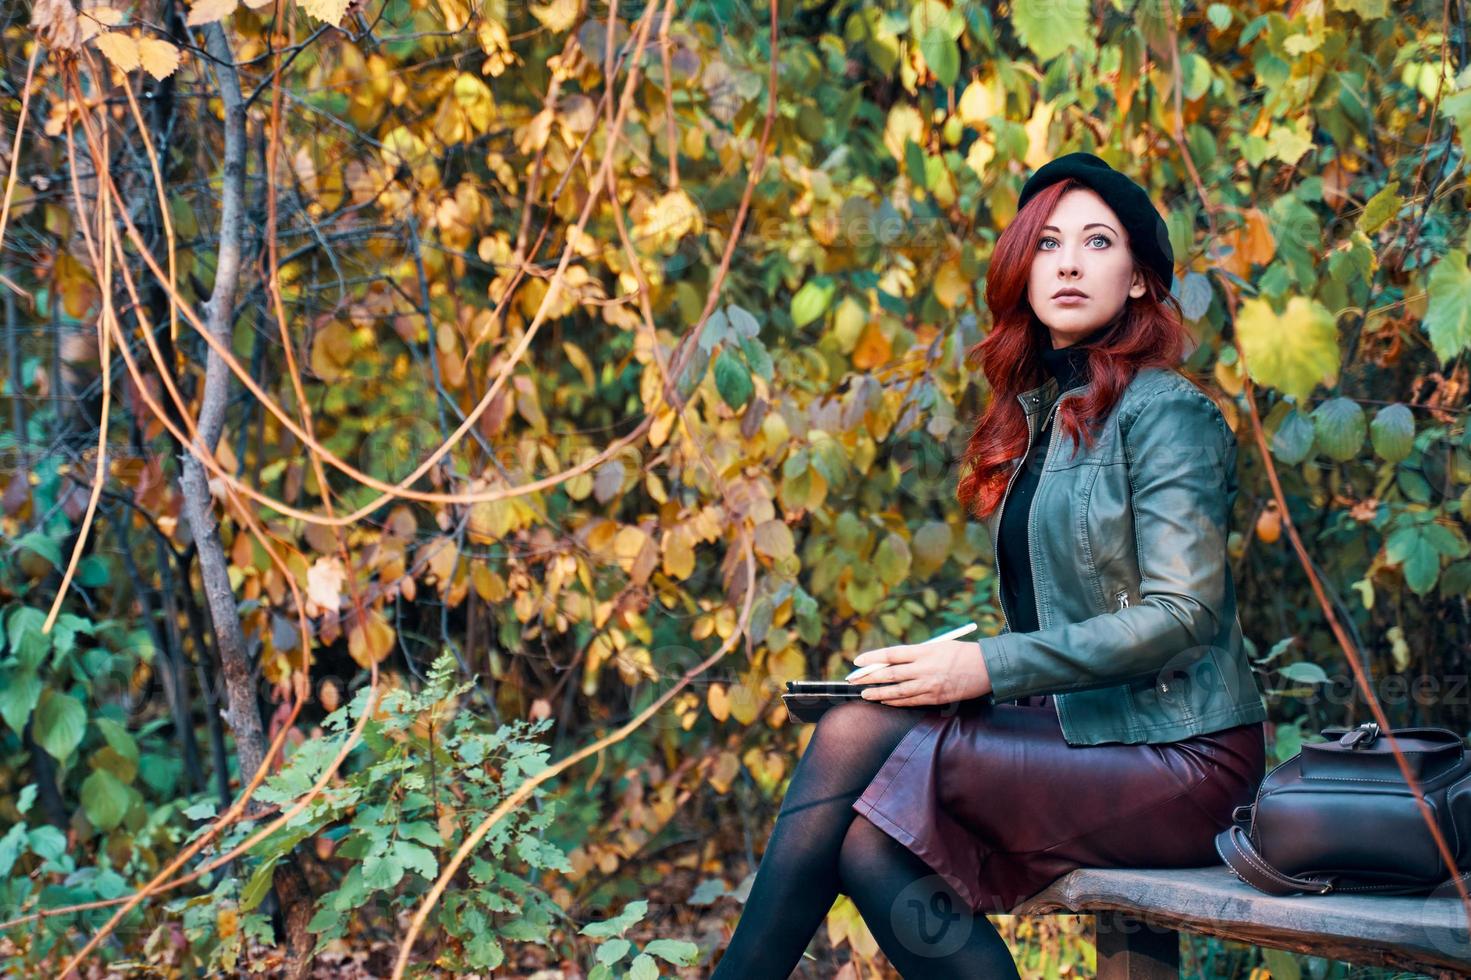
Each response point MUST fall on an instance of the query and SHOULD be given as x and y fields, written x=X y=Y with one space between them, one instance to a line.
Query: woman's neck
x=1069 y=365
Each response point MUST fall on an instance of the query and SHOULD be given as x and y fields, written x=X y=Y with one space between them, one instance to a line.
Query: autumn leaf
x=1292 y=352
x=369 y=641
x=159 y=58
x=120 y=49
x=209 y=11
x=327 y=11
x=324 y=583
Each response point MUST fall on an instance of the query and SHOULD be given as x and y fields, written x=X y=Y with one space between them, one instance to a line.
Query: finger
x=901 y=690
x=890 y=674
x=917 y=701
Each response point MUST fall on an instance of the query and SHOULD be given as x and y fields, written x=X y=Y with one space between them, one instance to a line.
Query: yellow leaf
x=904 y=123
x=369 y=642
x=557 y=15
x=475 y=100
x=718 y=702
x=160 y=58
x=441 y=554
x=120 y=49
x=679 y=556
x=327 y=11
x=951 y=288
x=209 y=11
x=978 y=103
x=787 y=665
x=727 y=766
x=1293 y=352
x=95 y=20
x=331 y=351
x=669 y=219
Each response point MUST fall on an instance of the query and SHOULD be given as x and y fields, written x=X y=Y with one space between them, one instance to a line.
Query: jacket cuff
x=1004 y=684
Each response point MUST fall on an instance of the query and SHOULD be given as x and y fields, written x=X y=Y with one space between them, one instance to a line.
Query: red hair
x=1149 y=332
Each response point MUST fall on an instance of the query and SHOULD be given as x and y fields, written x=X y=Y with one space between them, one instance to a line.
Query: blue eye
x=1100 y=235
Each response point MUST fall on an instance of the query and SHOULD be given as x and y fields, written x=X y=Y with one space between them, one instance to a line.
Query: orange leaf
x=370 y=640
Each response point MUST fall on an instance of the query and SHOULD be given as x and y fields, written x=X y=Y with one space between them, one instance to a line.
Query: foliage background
x=758 y=456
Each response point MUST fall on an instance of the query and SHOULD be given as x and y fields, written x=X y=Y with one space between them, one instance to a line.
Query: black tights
x=821 y=846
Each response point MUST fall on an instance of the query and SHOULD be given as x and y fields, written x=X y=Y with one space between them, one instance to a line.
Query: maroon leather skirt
x=996 y=801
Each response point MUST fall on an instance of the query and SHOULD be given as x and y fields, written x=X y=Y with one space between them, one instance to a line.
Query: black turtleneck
x=1069 y=365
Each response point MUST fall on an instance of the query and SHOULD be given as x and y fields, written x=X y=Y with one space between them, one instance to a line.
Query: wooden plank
x=1132 y=949
x=1425 y=934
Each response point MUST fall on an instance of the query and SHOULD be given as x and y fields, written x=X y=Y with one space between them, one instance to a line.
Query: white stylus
x=956 y=633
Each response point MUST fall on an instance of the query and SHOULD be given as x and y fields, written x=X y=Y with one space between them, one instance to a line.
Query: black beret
x=1149 y=239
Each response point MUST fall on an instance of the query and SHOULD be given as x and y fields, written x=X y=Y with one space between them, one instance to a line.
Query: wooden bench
x=1141 y=914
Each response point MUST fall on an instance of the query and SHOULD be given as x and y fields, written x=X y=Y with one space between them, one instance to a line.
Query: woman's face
x=1083 y=247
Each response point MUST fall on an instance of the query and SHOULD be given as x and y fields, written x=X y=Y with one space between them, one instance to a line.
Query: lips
x=1075 y=294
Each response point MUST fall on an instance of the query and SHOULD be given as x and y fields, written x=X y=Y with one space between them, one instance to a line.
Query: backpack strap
x=1247 y=863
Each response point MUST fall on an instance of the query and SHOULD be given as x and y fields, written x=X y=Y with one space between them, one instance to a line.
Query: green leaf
x=59 y=724
x=1380 y=209
x=1304 y=673
x=1292 y=352
x=382 y=871
x=46 y=547
x=892 y=559
x=757 y=357
x=715 y=330
x=707 y=891
x=117 y=736
x=1411 y=547
x=942 y=55
x=48 y=842
x=24 y=802
x=259 y=883
x=416 y=858
x=612 y=951
x=1050 y=27
x=1339 y=423
x=19 y=692
x=1393 y=432
x=643 y=968
x=92 y=572
x=23 y=620
x=1448 y=317
x=615 y=926
x=104 y=799
x=483 y=952
x=742 y=323
x=732 y=380
x=675 y=951
x=811 y=301
x=928 y=15
x=1293 y=441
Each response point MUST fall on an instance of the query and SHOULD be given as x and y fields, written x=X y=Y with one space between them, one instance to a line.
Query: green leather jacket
x=1138 y=637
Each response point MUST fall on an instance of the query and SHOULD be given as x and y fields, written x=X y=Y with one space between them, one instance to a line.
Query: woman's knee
x=861 y=856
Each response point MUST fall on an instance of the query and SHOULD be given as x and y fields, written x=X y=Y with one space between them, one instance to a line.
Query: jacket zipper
x=1123 y=598
x=1031 y=511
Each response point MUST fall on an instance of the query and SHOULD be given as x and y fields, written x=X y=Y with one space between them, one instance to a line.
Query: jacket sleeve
x=1181 y=459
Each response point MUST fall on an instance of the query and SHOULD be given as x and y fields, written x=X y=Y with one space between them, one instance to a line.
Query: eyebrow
x=1095 y=224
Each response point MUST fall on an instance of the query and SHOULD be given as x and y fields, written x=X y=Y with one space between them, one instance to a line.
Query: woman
x=1114 y=721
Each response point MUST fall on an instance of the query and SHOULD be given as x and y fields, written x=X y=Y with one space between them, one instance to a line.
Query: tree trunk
x=241 y=712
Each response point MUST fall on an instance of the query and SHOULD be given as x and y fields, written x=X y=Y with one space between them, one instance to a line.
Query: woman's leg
x=921 y=924
x=797 y=879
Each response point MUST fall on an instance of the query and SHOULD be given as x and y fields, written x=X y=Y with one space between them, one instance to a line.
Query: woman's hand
x=939 y=672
